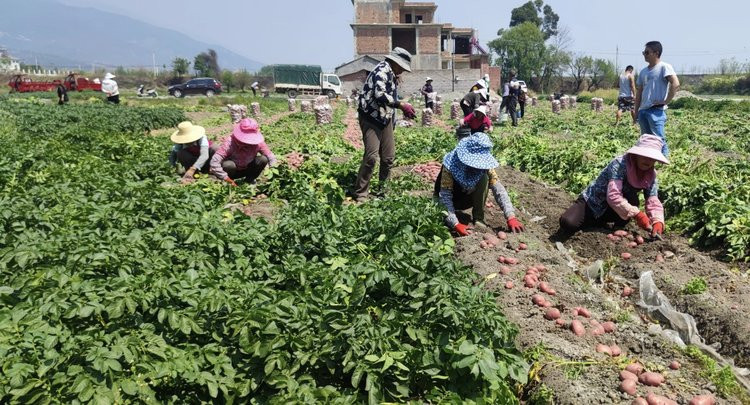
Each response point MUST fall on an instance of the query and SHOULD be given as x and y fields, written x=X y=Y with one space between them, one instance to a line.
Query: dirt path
x=570 y=365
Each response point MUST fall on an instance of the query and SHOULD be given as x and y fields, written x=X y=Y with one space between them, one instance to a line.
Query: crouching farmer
x=613 y=196
x=467 y=174
x=191 y=149
x=243 y=154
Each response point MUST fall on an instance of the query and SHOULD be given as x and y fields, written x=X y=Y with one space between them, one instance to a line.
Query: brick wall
x=429 y=40
x=413 y=82
x=369 y=13
x=372 y=41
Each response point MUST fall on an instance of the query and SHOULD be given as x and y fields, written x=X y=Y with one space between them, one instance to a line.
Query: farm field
x=118 y=285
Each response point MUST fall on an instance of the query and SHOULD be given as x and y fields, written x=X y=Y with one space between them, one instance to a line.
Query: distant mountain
x=61 y=35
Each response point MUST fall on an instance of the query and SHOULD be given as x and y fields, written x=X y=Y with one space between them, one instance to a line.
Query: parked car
x=200 y=85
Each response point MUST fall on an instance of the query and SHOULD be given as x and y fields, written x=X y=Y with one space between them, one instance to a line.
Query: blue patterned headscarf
x=470 y=160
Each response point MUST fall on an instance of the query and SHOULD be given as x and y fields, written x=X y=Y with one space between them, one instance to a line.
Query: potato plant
x=118 y=285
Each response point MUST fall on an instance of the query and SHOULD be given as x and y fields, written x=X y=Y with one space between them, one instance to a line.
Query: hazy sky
x=694 y=33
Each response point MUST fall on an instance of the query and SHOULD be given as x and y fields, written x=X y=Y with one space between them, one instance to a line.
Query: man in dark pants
x=377 y=118
x=62 y=94
x=514 y=93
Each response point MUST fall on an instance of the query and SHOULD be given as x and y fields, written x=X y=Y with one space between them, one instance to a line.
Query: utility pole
x=453 y=71
x=153 y=62
x=617 y=58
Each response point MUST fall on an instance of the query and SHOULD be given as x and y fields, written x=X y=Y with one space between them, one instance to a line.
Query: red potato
x=659 y=258
x=522 y=246
x=634 y=368
x=511 y=260
x=639 y=401
x=583 y=312
x=552 y=314
x=541 y=267
x=639 y=240
x=675 y=365
x=551 y=292
x=627 y=375
x=610 y=236
x=501 y=259
x=502 y=235
x=597 y=331
x=630 y=236
x=615 y=350
x=625 y=255
x=483 y=245
x=505 y=270
x=616 y=239
x=608 y=326
x=632 y=245
x=702 y=400
x=628 y=386
x=529 y=281
x=600 y=348
x=626 y=291
x=651 y=378
x=560 y=322
x=577 y=327
x=620 y=233
x=547 y=304
x=653 y=399
x=508 y=285
x=538 y=299
x=543 y=286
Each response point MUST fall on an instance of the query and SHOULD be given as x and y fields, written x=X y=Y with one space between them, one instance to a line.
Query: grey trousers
x=378 y=142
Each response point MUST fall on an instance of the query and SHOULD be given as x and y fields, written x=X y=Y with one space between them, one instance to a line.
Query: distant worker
x=474 y=98
x=376 y=109
x=477 y=121
x=505 y=97
x=254 y=88
x=657 y=84
x=486 y=80
x=191 y=149
x=468 y=173
x=109 y=87
x=626 y=98
x=514 y=91
x=243 y=154
x=613 y=195
x=429 y=94
x=62 y=94
x=522 y=101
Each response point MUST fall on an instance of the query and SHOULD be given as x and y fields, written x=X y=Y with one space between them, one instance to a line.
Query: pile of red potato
x=429 y=170
x=631 y=241
x=294 y=160
x=534 y=278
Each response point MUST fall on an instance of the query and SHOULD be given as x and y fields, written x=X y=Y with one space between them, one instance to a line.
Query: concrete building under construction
x=440 y=50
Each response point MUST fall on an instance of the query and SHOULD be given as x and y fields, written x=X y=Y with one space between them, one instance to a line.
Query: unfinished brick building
x=381 y=25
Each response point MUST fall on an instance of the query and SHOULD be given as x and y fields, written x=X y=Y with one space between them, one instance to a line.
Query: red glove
x=230 y=181
x=658 y=228
x=515 y=225
x=408 y=110
x=642 y=220
x=461 y=229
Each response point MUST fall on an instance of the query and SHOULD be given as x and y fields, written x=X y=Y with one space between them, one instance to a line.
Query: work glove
x=408 y=110
x=231 y=182
x=461 y=229
x=515 y=225
x=657 y=229
x=642 y=221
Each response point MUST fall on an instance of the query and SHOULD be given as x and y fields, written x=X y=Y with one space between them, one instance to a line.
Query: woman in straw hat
x=192 y=149
x=613 y=195
x=109 y=86
x=243 y=154
x=478 y=121
x=468 y=173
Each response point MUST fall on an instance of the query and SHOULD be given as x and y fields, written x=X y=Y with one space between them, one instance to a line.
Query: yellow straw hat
x=187 y=133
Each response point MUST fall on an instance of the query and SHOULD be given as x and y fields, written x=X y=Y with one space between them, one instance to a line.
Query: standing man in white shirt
x=657 y=84
x=254 y=88
x=625 y=99
x=109 y=87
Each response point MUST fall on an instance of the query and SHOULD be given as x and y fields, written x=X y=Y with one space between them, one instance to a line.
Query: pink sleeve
x=618 y=202
x=654 y=209
x=265 y=150
x=468 y=117
x=221 y=154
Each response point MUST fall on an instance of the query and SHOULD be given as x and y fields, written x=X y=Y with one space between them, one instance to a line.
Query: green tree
x=580 y=69
x=227 y=79
x=521 y=48
x=242 y=79
x=207 y=64
x=537 y=13
x=266 y=70
x=603 y=74
x=180 y=66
